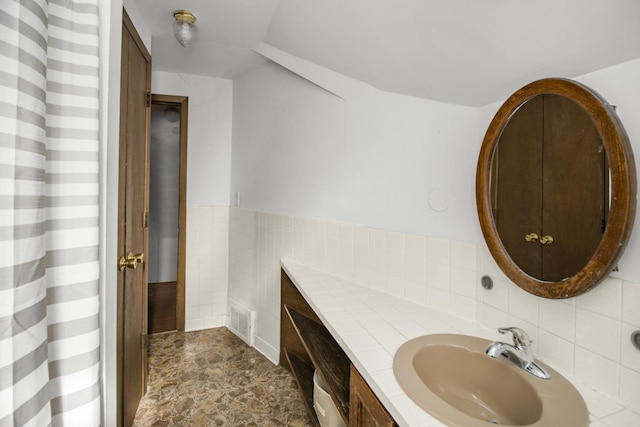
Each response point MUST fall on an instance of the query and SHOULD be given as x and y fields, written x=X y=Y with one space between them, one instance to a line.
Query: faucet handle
x=520 y=337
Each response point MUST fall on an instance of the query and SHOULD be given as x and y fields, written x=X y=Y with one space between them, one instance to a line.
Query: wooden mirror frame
x=622 y=208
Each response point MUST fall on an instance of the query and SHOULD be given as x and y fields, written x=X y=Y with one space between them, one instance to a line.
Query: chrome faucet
x=519 y=354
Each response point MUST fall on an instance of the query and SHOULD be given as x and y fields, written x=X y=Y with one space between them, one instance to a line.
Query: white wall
x=285 y=144
x=138 y=21
x=343 y=183
x=209 y=141
x=207 y=267
x=374 y=158
x=350 y=153
x=208 y=176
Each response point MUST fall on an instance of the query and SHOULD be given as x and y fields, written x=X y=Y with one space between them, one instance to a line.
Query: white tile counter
x=370 y=326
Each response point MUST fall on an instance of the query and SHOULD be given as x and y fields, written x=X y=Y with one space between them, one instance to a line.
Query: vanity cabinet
x=307 y=346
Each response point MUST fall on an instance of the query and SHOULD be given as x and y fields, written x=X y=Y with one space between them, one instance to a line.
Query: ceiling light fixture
x=184 y=27
x=172 y=114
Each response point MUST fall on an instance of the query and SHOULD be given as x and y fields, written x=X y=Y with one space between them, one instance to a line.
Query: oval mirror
x=556 y=188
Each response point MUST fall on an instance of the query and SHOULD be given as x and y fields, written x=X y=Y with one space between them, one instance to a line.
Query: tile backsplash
x=207 y=269
x=586 y=337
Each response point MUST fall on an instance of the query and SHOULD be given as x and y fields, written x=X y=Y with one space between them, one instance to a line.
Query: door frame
x=182 y=103
x=122 y=160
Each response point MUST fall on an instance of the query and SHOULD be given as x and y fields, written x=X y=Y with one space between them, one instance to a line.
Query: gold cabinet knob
x=130 y=261
x=531 y=237
x=546 y=240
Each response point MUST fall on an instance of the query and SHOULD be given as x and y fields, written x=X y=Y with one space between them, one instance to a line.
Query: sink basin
x=452 y=378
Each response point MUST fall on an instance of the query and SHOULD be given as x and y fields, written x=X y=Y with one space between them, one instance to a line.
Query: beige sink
x=452 y=378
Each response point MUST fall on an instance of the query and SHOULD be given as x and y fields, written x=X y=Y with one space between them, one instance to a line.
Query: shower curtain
x=49 y=271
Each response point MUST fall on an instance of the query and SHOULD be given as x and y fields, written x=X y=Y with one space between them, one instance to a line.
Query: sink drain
x=494 y=422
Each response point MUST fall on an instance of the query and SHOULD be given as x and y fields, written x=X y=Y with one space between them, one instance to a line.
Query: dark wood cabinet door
x=516 y=179
x=365 y=410
x=575 y=188
x=550 y=179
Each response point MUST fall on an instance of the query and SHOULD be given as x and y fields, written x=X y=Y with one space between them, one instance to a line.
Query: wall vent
x=241 y=321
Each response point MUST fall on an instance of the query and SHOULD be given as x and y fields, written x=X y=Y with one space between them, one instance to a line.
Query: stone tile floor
x=212 y=378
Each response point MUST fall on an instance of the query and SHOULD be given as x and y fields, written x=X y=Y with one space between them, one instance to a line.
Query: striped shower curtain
x=49 y=271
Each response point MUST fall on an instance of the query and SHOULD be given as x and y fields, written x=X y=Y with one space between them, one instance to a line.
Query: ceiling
x=467 y=52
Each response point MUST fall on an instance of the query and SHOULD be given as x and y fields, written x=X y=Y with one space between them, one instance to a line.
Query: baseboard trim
x=267 y=350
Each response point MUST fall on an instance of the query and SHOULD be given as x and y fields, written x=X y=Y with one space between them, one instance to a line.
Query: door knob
x=130 y=261
x=531 y=237
x=546 y=240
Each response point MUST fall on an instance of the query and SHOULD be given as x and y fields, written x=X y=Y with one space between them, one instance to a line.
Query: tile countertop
x=370 y=326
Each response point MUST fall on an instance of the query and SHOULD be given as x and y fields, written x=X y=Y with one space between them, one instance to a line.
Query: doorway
x=167 y=213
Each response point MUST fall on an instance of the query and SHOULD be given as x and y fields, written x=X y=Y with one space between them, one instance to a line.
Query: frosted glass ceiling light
x=172 y=114
x=184 y=27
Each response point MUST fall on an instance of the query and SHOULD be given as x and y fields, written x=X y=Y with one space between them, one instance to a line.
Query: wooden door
x=132 y=232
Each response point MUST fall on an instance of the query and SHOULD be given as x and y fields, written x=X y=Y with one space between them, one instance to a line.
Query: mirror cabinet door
x=556 y=188
x=550 y=158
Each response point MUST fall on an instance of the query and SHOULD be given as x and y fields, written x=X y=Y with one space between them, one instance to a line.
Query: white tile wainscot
x=370 y=326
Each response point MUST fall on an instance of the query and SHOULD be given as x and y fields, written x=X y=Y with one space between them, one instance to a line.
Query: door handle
x=130 y=261
x=546 y=240
x=531 y=237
